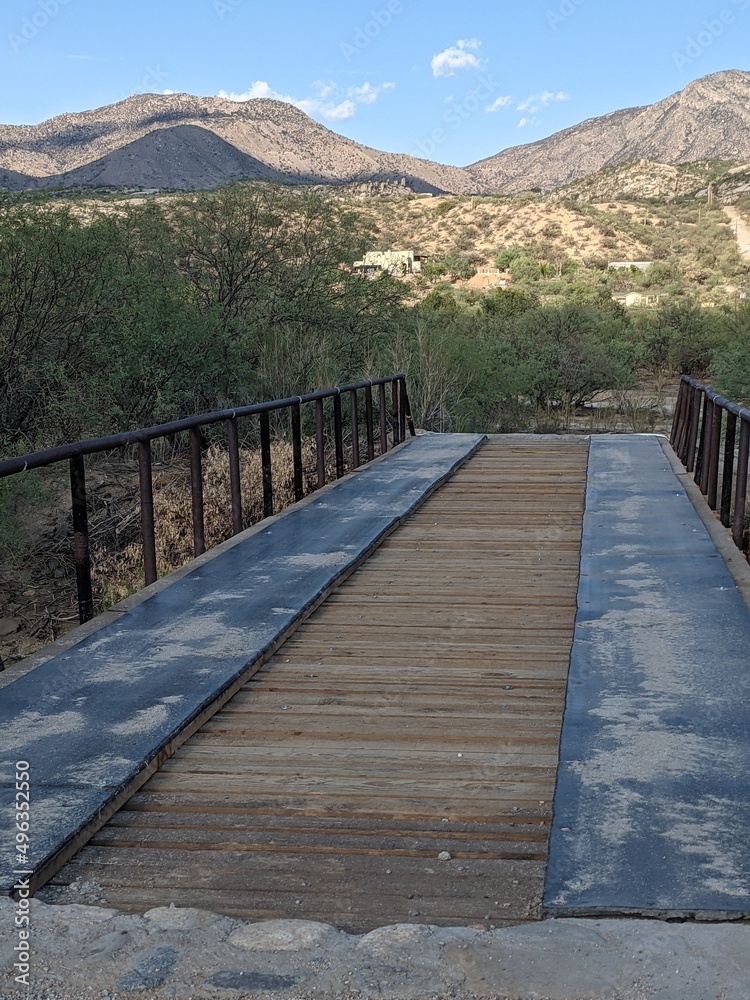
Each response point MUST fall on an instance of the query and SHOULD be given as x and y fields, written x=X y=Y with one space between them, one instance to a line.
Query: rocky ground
x=87 y=952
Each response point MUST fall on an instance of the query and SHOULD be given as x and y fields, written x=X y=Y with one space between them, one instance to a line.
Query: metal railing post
x=235 y=484
x=370 y=424
x=196 y=491
x=383 y=420
x=395 y=423
x=338 y=435
x=701 y=464
x=694 y=420
x=146 y=485
x=320 y=442
x=712 y=472
x=740 y=490
x=265 y=459
x=81 y=550
x=727 y=474
x=674 y=433
x=299 y=490
x=354 y=422
x=407 y=408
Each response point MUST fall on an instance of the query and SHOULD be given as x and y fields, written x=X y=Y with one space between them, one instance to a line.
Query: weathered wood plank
x=418 y=710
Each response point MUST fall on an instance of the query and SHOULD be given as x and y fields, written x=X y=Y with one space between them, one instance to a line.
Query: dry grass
x=38 y=595
x=117 y=553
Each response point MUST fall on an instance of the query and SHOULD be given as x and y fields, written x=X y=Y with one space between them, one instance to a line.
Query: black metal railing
x=393 y=416
x=705 y=438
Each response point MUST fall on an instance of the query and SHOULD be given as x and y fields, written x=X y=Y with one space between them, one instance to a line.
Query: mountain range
x=182 y=142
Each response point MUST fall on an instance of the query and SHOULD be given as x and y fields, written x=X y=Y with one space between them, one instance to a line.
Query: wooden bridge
x=382 y=745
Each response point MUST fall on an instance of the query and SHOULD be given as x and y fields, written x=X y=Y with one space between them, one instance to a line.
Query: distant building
x=490 y=277
x=637 y=300
x=396 y=262
x=625 y=265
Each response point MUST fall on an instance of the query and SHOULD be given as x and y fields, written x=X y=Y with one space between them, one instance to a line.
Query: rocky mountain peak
x=221 y=140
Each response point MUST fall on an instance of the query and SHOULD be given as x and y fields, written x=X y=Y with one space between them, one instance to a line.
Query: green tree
x=508 y=301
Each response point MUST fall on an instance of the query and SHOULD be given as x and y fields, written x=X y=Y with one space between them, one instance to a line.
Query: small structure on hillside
x=625 y=265
x=490 y=277
x=396 y=262
x=637 y=300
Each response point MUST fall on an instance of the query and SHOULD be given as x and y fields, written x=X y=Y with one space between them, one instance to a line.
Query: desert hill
x=276 y=140
x=708 y=120
x=164 y=158
x=181 y=142
x=643 y=180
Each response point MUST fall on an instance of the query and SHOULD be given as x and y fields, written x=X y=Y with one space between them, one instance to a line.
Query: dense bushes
x=149 y=313
x=508 y=358
x=139 y=314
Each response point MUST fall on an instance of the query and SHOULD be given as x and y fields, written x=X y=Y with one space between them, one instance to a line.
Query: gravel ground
x=90 y=953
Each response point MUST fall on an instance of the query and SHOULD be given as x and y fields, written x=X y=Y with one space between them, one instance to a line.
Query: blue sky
x=451 y=81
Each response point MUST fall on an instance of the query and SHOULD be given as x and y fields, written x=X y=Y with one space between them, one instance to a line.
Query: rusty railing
x=706 y=440
x=393 y=416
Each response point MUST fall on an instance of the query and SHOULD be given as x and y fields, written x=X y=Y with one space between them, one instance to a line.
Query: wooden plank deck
x=417 y=711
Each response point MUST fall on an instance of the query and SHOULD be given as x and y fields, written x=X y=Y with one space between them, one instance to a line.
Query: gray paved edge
x=652 y=802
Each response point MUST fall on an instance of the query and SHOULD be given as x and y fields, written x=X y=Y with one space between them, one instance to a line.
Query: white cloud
x=501 y=102
x=534 y=102
x=323 y=103
x=324 y=90
x=329 y=111
x=258 y=89
x=367 y=94
x=524 y=122
x=456 y=57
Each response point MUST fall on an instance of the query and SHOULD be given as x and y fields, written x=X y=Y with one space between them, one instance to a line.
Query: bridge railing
x=385 y=411
x=711 y=437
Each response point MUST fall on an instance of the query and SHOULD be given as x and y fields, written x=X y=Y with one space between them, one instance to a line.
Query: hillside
x=181 y=142
x=708 y=120
x=256 y=138
x=481 y=227
x=559 y=245
x=164 y=158
x=644 y=180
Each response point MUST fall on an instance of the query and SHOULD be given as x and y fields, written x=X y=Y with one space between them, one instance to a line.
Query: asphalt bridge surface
x=652 y=808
